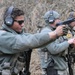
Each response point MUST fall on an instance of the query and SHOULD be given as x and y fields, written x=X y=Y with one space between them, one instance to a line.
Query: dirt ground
x=35 y=63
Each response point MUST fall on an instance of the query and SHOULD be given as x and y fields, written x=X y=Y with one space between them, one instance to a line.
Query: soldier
x=53 y=55
x=14 y=41
x=71 y=53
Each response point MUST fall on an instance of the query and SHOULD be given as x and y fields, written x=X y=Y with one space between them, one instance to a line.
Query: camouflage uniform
x=11 y=46
x=55 y=52
x=53 y=55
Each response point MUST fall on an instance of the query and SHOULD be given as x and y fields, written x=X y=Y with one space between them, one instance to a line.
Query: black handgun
x=66 y=22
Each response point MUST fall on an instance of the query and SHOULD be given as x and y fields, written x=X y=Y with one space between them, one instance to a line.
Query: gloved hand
x=65 y=30
x=59 y=30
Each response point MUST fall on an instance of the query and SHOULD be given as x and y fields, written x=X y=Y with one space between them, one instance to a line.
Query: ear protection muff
x=51 y=17
x=8 y=20
x=71 y=15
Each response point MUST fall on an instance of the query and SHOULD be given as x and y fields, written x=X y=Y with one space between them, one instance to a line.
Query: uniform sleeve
x=32 y=41
x=55 y=48
x=13 y=43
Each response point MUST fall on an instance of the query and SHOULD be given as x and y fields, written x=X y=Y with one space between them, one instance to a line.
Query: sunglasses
x=20 y=21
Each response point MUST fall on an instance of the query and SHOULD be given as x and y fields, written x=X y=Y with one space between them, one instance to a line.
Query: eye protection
x=19 y=22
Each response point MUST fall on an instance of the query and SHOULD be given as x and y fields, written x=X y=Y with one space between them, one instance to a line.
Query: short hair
x=15 y=12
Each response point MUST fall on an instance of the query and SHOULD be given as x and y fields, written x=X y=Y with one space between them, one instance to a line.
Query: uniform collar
x=5 y=27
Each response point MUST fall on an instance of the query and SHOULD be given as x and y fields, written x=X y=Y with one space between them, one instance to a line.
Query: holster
x=51 y=70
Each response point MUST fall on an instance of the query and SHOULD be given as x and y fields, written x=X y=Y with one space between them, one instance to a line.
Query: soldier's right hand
x=72 y=42
x=60 y=30
x=65 y=30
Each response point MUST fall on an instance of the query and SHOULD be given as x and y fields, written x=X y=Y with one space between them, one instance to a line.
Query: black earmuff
x=8 y=20
x=51 y=17
x=71 y=15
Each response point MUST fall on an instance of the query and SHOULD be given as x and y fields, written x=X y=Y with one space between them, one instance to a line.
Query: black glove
x=65 y=30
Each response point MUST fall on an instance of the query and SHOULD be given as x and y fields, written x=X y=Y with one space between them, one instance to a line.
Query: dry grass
x=34 y=10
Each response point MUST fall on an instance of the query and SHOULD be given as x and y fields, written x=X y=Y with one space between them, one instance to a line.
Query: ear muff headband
x=10 y=9
x=51 y=18
x=71 y=15
x=8 y=18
